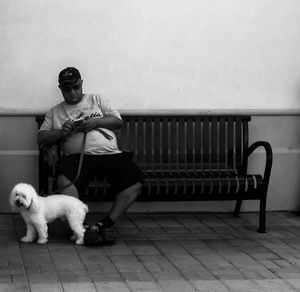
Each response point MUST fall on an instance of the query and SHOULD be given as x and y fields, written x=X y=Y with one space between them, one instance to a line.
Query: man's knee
x=62 y=180
x=137 y=188
x=65 y=186
x=132 y=192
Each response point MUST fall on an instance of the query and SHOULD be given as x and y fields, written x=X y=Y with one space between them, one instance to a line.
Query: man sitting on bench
x=85 y=123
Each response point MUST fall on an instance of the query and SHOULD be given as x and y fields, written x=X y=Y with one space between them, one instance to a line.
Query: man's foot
x=97 y=235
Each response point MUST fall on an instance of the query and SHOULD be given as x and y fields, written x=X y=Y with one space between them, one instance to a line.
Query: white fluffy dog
x=37 y=211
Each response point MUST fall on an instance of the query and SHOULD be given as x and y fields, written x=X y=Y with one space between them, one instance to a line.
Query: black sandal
x=97 y=235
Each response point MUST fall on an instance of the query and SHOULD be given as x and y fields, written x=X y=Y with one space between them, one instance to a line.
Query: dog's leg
x=76 y=224
x=30 y=233
x=42 y=229
x=73 y=237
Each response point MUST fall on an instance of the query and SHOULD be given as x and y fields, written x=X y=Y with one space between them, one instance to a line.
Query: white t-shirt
x=91 y=105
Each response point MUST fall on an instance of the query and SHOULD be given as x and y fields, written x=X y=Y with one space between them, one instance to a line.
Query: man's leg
x=67 y=173
x=66 y=187
x=123 y=201
x=71 y=190
x=101 y=232
x=125 y=176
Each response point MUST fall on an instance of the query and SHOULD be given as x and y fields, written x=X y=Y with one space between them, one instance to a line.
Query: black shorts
x=119 y=170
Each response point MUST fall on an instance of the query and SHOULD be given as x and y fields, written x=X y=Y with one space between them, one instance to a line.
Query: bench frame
x=184 y=158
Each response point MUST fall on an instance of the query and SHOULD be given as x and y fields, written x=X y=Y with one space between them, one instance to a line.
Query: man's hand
x=92 y=124
x=86 y=126
x=67 y=128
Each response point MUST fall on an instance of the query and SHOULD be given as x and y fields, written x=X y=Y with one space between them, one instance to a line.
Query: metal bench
x=184 y=158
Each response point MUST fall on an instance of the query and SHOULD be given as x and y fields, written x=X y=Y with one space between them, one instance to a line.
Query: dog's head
x=22 y=197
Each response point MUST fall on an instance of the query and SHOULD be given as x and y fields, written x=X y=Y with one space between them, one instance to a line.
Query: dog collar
x=30 y=204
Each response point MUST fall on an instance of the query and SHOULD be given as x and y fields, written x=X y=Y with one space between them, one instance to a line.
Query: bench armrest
x=269 y=157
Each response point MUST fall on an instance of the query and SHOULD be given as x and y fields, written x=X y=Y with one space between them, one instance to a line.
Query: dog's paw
x=73 y=237
x=42 y=241
x=26 y=239
x=79 y=241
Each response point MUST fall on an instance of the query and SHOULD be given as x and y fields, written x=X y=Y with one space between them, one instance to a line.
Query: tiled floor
x=158 y=252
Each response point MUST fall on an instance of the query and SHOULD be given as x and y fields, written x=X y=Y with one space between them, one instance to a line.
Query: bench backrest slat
x=186 y=143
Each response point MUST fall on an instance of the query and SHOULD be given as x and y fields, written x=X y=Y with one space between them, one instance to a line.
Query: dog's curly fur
x=37 y=211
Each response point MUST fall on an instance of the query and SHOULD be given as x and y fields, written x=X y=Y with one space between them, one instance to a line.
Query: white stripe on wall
x=19 y=152
x=279 y=151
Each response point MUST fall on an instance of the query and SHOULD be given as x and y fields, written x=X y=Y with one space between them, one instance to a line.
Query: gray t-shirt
x=91 y=106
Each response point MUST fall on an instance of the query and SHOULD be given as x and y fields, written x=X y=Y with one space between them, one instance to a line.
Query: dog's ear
x=35 y=199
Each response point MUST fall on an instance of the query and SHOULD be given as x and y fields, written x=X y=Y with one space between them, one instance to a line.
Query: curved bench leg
x=262 y=216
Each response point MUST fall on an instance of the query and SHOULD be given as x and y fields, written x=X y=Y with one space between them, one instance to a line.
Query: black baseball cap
x=68 y=76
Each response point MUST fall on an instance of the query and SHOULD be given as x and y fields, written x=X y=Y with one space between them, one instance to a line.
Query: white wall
x=151 y=53
x=155 y=54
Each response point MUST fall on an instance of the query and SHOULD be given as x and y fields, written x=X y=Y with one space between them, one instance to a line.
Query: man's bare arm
x=49 y=138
